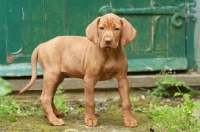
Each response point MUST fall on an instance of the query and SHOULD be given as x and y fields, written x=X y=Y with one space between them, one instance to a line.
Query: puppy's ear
x=92 y=31
x=128 y=32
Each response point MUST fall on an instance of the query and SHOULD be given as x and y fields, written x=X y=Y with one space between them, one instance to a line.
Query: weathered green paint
x=190 y=53
x=176 y=11
x=54 y=18
x=76 y=17
x=165 y=30
x=2 y=33
x=13 y=26
x=12 y=70
x=33 y=25
x=157 y=64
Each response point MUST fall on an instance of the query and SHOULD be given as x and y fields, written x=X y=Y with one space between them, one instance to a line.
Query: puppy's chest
x=111 y=69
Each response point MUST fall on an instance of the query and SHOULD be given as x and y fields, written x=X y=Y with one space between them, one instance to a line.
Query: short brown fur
x=99 y=56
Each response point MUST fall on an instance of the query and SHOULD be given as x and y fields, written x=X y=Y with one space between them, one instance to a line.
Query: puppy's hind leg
x=51 y=81
x=57 y=112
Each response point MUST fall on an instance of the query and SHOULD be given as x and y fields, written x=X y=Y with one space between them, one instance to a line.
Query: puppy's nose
x=108 y=40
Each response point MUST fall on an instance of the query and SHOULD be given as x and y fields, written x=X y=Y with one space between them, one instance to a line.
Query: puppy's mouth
x=110 y=46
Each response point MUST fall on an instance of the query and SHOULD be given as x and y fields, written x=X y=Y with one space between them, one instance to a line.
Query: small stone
x=71 y=108
x=143 y=97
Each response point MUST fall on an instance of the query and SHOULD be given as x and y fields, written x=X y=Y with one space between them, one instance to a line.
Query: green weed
x=173 y=119
x=8 y=106
x=5 y=87
x=114 y=104
x=33 y=108
x=165 y=82
x=60 y=100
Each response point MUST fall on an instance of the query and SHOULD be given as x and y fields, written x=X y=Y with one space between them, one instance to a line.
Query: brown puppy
x=99 y=56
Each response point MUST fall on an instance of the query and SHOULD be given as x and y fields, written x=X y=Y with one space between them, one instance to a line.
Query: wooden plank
x=14 y=26
x=2 y=33
x=93 y=8
x=55 y=22
x=33 y=24
x=177 y=40
x=160 y=33
x=77 y=17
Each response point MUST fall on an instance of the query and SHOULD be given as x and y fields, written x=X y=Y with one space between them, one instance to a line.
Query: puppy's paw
x=91 y=121
x=130 y=122
x=57 y=122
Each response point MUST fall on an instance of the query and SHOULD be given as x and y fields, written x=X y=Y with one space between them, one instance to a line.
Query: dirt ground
x=109 y=121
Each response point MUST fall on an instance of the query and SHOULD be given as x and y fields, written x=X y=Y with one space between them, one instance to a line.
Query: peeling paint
x=17 y=70
x=10 y=59
x=149 y=68
x=140 y=65
x=167 y=67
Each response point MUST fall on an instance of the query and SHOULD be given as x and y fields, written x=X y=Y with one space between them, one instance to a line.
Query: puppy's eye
x=101 y=28
x=116 y=29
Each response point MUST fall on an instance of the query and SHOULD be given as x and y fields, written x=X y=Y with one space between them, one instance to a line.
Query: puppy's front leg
x=124 y=87
x=90 y=119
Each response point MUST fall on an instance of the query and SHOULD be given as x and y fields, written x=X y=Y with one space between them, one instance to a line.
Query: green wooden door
x=24 y=25
x=162 y=27
x=164 y=30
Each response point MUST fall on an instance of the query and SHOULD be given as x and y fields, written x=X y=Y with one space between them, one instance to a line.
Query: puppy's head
x=110 y=30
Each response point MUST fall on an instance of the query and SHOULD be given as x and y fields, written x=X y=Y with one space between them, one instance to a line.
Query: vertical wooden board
x=55 y=22
x=190 y=53
x=140 y=3
x=2 y=33
x=177 y=41
x=160 y=3
x=142 y=24
x=142 y=42
x=93 y=7
x=161 y=34
x=116 y=4
x=169 y=2
x=77 y=17
x=14 y=26
x=33 y=24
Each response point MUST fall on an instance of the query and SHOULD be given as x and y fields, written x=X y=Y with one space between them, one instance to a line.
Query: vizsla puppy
x=99 y=56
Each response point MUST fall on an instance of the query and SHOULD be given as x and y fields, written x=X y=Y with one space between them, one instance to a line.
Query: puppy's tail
x=34 y=69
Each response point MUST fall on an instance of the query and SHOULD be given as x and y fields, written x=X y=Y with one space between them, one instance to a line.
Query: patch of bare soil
x=109 y=121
